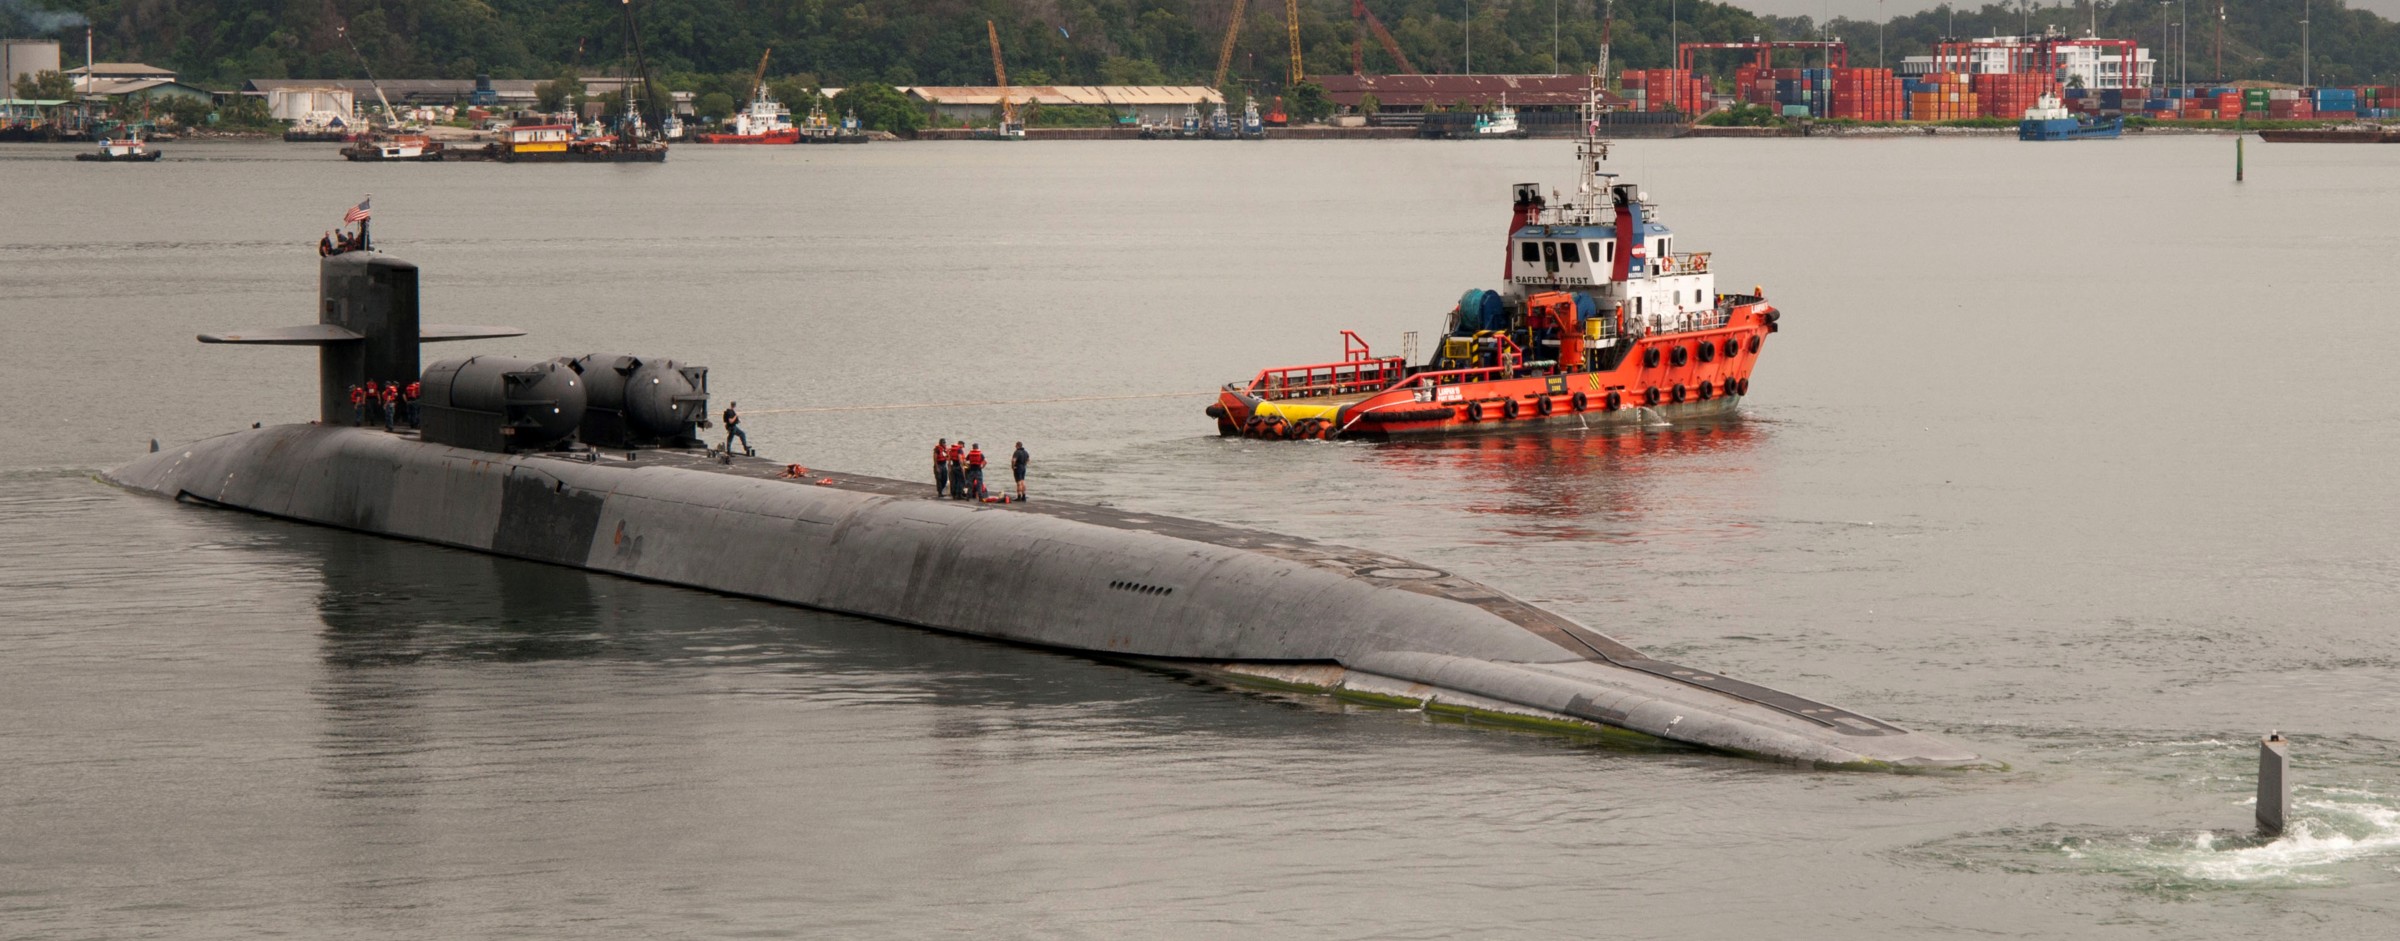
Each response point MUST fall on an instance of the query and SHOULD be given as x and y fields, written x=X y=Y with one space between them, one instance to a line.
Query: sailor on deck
x=733 y=429
x=1016 y=465
x=975 y=472
x=957 y=456
x=941 y=466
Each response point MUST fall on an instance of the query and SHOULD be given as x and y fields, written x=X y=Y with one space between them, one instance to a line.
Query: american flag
x=358 y=213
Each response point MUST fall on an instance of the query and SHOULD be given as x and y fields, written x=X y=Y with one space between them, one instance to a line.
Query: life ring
x=1733 y=347
x=1474 y=411
x=1706 y=351
x=1613 y=402
x=1508 y=409
x=1679 y=356
x=1678 y=394
x=1650 y=396
x=1579 y=403
x=1650 y=358
x=1543 y=406
x=1754 y=346
x=1666 y=264
x=1708 y=390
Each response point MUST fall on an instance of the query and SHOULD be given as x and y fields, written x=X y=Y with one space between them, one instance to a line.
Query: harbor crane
x=1233 y=30
x=758 y=83
x=1009 y=127
x=1296 y=72
x=1364 y=19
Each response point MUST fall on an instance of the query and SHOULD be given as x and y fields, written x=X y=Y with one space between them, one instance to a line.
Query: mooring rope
x=980 y=404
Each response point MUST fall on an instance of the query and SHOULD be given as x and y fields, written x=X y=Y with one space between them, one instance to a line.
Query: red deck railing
x=1359 y=371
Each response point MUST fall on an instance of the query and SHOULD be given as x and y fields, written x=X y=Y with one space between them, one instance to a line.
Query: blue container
x=2075 y=94
x=2157 y=104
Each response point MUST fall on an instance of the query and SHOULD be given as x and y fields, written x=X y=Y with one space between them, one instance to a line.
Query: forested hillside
x=698 y=43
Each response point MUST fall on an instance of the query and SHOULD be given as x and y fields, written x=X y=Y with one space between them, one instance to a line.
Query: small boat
x=2048 y=119
x=127 y=149
x=851 y=132
x=1220 y=125
x=1190 y=129
x=671 y=128
x=817 y=128
x=1501 y=122
x=766 y=121
x=1253 y=127
x=1600 y=322
x=381 y=147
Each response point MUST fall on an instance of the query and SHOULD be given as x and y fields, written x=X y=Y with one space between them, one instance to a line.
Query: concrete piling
x=2274 y=783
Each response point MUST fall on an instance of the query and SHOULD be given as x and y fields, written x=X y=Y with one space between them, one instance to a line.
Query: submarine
x=595 y=462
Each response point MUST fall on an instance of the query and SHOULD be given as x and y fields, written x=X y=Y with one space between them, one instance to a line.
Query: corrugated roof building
x=1149 y=104
x=513 y=92
x=1406 y=93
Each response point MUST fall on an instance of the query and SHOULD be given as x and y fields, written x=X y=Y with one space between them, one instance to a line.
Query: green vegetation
x=1743 y=116
x=46 y=86
x=713 y=46
x=1066 y=116
x=880 y=108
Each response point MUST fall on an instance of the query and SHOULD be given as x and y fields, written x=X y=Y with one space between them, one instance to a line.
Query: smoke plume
x=37 y=21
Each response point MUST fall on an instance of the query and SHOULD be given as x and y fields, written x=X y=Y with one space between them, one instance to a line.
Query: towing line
x=984 y=404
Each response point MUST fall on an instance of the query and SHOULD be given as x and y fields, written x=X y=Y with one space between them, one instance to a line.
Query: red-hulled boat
x=1600 y=321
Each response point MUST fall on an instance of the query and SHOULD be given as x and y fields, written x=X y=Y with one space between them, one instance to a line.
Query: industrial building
x=2083 y=63
x=1416 y=94
x=20 y=58
x=1148 y=104
x=503 y=92
x=133 y=81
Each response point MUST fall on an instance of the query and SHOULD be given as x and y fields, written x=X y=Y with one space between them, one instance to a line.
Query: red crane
x=1365 y=20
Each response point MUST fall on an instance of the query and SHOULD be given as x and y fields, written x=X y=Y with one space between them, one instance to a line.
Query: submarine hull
x=1098 y=580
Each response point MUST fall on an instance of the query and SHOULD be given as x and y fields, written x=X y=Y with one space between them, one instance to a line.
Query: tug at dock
x=1599 y=320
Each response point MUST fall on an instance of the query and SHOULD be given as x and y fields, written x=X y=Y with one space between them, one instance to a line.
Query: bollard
x=2237 y=158
x=2274 y=783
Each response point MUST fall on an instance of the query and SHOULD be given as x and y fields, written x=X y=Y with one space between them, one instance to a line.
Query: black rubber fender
x=1650 y=358
x=1579 y=402
x=1754 y=346
x=1679 y=356
x=1678 y=394
x=1614 y=401
x=1508 y=409
x=1650 y=396
x=1474 y=411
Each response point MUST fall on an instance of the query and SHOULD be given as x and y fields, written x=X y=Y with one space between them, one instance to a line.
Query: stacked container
x=2254 y=101
x=1866 y=95
x=1803 y=92
x=2009 y=94
x=1664 y=90
x=1754 y=86
x=1941 y=96
x=2337 y=102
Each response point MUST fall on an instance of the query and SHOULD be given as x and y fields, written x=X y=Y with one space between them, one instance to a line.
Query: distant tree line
x=712 y=46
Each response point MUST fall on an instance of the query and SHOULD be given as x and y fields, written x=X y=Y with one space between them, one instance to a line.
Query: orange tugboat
x=1600 y=321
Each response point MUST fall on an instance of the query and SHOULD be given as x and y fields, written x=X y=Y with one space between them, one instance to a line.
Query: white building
x=1149 y=104
x=2096 y=67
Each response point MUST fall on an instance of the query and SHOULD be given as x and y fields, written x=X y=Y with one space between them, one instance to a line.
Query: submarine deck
x=1578 y=641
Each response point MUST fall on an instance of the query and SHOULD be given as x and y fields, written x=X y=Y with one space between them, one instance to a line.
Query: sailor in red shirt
x=358 y=406
x=958 y=470
x=975 y=471
x=391 y=403
x=941 y=466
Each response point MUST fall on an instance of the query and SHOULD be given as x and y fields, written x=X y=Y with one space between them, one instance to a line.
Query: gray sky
x=1869 y=9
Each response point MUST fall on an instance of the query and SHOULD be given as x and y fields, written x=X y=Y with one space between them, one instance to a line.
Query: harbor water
x=2075 y=454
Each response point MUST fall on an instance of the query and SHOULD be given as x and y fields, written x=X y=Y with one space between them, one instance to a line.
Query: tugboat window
x=1595 y=250
x=1532 y=251
x=1567 y=252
